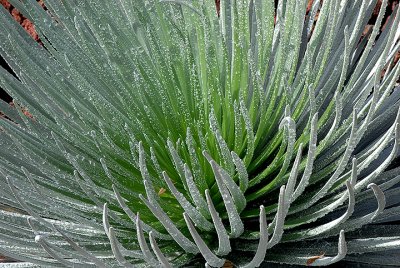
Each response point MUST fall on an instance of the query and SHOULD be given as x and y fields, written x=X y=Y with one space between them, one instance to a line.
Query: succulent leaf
x=166 y=133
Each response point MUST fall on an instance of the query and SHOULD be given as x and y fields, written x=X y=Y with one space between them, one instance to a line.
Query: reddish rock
x=5 y=4
x=25 y=23
x=309 y=5
x=218 y=5
x=377 y=8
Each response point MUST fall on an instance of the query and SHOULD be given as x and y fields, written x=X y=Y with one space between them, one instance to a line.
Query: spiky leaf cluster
x=164 y=133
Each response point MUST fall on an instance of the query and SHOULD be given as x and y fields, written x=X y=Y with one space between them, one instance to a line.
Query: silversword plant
x=164 y=134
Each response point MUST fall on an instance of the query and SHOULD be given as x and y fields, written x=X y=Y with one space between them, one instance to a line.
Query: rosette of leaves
x=164 y=133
